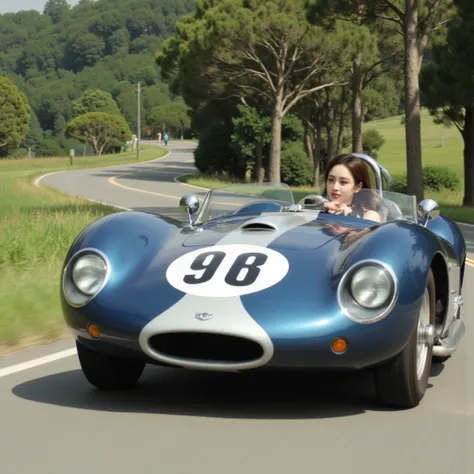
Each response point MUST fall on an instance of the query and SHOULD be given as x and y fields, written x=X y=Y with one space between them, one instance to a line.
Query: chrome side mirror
x=428 y=209
x=189 y=204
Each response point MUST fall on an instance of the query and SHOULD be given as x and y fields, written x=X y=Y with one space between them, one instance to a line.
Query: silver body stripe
x=229 y=315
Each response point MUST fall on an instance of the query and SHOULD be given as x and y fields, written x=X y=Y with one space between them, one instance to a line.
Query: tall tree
x=14 y=114
x=262 y=47
x=95 y=100
x=447 y=82
x=101 y=131
x=368 y=42
x=172 y=118
x=416 y=19
x=56 y=9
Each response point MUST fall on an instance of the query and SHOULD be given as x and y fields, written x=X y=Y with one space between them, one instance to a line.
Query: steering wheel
x=313 y=201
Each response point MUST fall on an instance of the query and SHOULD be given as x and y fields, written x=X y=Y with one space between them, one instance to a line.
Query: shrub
x=214 y=154
x=439 y=177
x=296 y=167
x=18 y=153
x=49 y=147
x=372 y=141
x=435 y=178
x=399 y=183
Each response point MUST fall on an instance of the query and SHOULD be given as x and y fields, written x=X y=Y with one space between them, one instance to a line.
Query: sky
x=9 y=6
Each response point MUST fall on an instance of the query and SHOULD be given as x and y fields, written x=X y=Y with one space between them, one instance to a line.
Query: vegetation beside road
x=37 y=227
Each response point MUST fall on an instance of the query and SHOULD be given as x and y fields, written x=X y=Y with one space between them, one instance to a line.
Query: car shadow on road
x=217 y=395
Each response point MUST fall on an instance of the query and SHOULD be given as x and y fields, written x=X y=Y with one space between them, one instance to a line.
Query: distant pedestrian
x=166 y=137
x=158 y=137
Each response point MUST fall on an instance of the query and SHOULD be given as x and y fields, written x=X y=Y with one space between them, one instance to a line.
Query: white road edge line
x=39 y=178
x=176 y=180
x=13 y=369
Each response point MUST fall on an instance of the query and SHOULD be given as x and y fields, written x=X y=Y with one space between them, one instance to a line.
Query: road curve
x=177 y=421
x=148 y=186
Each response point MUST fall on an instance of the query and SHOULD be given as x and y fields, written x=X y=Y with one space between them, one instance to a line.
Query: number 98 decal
x=227 y=270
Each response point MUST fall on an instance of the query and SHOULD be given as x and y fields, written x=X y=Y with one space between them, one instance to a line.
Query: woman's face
x=341 y=185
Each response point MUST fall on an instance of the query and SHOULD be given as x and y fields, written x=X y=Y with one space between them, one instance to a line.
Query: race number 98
x=227 y=270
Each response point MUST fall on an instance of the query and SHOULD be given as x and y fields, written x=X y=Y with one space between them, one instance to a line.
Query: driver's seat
x=393 y=211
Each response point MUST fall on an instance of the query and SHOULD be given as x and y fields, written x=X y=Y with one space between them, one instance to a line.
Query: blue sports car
x=256 y=281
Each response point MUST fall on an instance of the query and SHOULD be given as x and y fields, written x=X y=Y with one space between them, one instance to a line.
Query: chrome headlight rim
x=350 y=308
x=72 y=294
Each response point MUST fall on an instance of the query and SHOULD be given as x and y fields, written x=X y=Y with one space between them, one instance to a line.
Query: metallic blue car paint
x=300 y=313
x=450 y=231
x=257 y=208
x=139 y=247
x=304 y=237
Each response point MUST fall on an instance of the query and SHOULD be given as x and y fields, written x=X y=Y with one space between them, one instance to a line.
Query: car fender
x=132 y=242
x=410 y=250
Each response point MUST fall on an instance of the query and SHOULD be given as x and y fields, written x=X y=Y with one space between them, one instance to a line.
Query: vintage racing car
x=255 y=281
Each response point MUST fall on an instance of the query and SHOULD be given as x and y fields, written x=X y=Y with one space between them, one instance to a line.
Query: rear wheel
x=403 y=380
x=108 y=372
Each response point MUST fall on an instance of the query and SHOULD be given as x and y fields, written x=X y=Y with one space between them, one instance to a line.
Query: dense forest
x=101 y=49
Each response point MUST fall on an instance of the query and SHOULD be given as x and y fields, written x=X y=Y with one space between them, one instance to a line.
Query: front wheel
x=108 y=372
x=403 y=380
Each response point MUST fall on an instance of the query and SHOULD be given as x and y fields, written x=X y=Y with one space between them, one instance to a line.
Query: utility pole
x=138 y=121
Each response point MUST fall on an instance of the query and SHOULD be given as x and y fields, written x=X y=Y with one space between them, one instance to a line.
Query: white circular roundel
x=227 y=270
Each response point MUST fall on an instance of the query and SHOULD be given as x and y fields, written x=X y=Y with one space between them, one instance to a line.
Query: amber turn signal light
x=93 y=331
x=339 y=345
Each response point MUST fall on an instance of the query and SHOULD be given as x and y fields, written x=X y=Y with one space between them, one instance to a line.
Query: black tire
x=396 y=381
x=108 y=372
x=440 y=359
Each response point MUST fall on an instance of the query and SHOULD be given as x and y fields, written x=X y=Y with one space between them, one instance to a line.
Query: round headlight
x=371 y=286
x=89 y=273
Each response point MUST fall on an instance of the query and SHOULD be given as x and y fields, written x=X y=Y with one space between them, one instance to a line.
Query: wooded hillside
x=55 y=56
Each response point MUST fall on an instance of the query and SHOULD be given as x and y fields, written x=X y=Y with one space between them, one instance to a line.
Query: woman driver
x=347 y=175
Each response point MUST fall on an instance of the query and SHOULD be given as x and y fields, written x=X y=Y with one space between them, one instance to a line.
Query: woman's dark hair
x=356 y=166
x=359 y=172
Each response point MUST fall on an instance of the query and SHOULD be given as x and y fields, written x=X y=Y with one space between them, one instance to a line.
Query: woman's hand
x=373 y=216
x=337 y=208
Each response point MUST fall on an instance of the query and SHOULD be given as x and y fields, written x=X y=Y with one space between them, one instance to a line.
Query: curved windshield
x=388 y=204
x=245 y=199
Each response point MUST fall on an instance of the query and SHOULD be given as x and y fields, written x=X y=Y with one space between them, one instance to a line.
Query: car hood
x=290 y=231
x=156 y=264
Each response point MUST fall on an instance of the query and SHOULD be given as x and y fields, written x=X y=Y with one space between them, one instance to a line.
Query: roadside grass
x=392 y=155
x=37 y=227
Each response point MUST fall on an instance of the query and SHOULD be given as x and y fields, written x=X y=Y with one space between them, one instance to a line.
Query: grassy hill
x=393 y=156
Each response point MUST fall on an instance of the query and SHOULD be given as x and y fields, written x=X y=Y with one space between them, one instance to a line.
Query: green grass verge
x=37 y=227
x=392 y=155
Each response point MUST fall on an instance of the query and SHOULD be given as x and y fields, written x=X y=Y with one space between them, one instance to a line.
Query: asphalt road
x=177 y=421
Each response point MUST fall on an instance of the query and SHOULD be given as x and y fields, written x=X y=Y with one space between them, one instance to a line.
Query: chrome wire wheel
x=422 y=344
x=403 y=380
